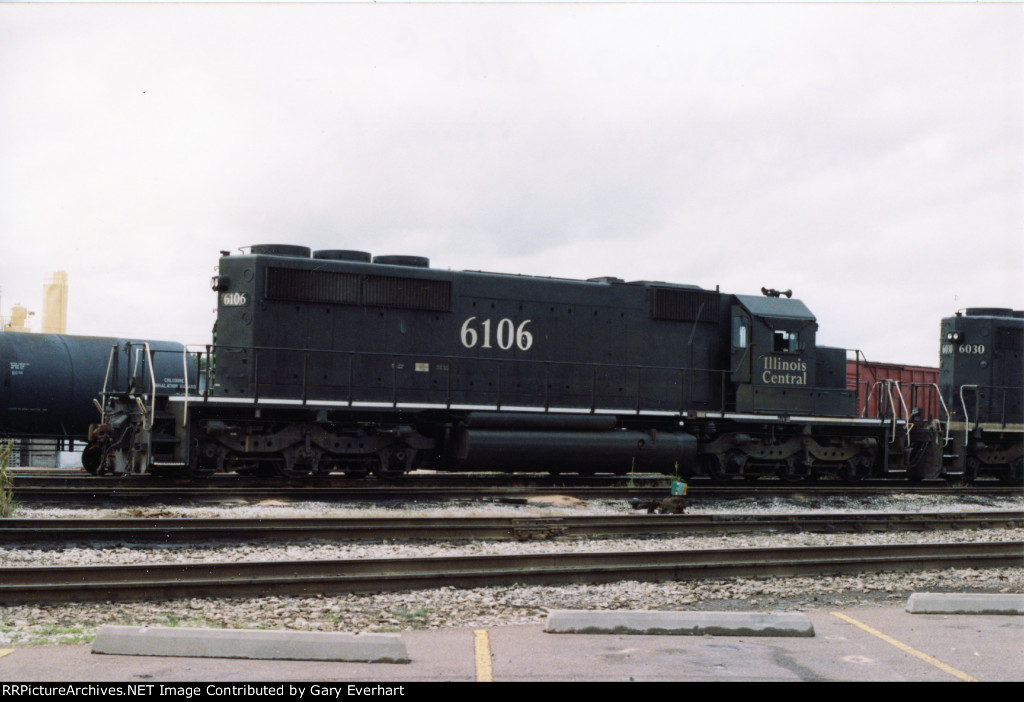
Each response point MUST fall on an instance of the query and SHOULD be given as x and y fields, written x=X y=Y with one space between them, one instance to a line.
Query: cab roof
x=777 y=307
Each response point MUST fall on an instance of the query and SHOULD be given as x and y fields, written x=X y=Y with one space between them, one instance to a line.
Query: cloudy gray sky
x=868 y=156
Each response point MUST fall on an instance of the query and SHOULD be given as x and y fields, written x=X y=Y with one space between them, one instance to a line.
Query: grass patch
x=7 y=502
x=414 y=619
x=170 y=619
x=52 y=634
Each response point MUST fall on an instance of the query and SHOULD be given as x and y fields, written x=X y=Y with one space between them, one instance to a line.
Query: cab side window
x=740 y=333
x=785 y=342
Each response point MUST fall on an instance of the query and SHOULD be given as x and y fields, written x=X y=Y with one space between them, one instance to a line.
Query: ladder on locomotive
x=895 y=411
x=155 y=419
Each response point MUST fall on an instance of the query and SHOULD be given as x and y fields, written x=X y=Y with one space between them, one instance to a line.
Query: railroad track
x=190 y=530
x=37 y=490
x=53 y=584
x=74 y=478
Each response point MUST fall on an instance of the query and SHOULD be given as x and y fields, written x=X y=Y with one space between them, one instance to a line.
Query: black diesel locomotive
x=981 y=374
x=339 y=362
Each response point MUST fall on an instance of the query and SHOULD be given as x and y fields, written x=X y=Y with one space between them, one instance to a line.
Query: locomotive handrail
x=114 y=355
x=967 y=417
x=867 y=400
x=989 y=409
x=152 y=386
x=196 y=350
x=184 y=382
x=106 y=380
x=889 y=385
x=861 y=360
x=857 y=354
x=945 y=410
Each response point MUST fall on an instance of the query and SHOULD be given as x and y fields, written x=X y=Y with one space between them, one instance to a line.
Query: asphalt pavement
x=853 y=644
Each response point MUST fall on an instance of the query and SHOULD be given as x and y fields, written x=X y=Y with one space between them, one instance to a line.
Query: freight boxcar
x=905 y=390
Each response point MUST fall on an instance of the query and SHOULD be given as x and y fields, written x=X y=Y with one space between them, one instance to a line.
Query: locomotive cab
x=776 y=365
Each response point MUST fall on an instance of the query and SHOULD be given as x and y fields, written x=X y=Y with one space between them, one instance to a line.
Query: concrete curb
x=966 y=603
x=248 y=643
x=567 y=621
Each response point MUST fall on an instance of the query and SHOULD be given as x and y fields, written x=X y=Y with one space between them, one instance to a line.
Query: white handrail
x=903 y=403
x=967 y=418
x=106 y=379
x=152 y=385
x=184 y=380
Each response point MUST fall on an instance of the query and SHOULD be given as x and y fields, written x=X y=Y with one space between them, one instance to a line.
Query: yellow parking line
x=482 y=650
x=907 y=649
x=5 y=651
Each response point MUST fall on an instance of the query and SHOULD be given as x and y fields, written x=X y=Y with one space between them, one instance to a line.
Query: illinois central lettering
x=780 y=371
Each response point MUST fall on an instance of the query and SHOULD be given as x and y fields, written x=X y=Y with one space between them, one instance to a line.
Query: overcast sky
x=867 y=156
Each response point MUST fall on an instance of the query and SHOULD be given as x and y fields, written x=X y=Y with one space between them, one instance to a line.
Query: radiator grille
x=331 y=287
x=407 y=293
x=684 y=305
x=297 y=285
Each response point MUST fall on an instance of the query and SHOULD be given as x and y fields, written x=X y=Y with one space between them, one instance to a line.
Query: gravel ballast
x=494 y=606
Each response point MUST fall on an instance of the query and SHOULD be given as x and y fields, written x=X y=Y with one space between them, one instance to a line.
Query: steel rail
x=192 y=530
x=38 y=478
x=136 y=494
x=132 y=490
x=51 y=584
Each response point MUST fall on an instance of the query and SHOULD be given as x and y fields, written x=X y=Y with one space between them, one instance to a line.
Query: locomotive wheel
x=207 y=458
x=971 y=470
x=91 y=458
x=1014 y=473
x=789 y=472
x=360 y=470
x=856 y=469
x=394 y=462
x=849 y=475
x=714 y=469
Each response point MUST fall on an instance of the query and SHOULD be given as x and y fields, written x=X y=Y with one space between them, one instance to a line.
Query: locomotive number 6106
x=507 y=334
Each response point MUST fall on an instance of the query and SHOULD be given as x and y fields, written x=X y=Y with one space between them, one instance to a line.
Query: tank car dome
x=280 y=250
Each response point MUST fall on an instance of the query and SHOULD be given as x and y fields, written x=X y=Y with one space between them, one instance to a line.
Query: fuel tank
x=48 y=381
x=617 y=451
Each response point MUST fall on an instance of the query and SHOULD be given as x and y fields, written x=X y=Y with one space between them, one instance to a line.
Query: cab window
x=785 y=342
x=740 y=333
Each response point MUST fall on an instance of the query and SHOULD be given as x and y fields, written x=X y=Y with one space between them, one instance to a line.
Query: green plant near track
x=7 y=503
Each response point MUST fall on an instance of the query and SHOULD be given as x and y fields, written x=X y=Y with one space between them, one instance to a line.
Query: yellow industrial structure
x=42 y=453
x=19 y=319
x=55 y=308
x=55 y=303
